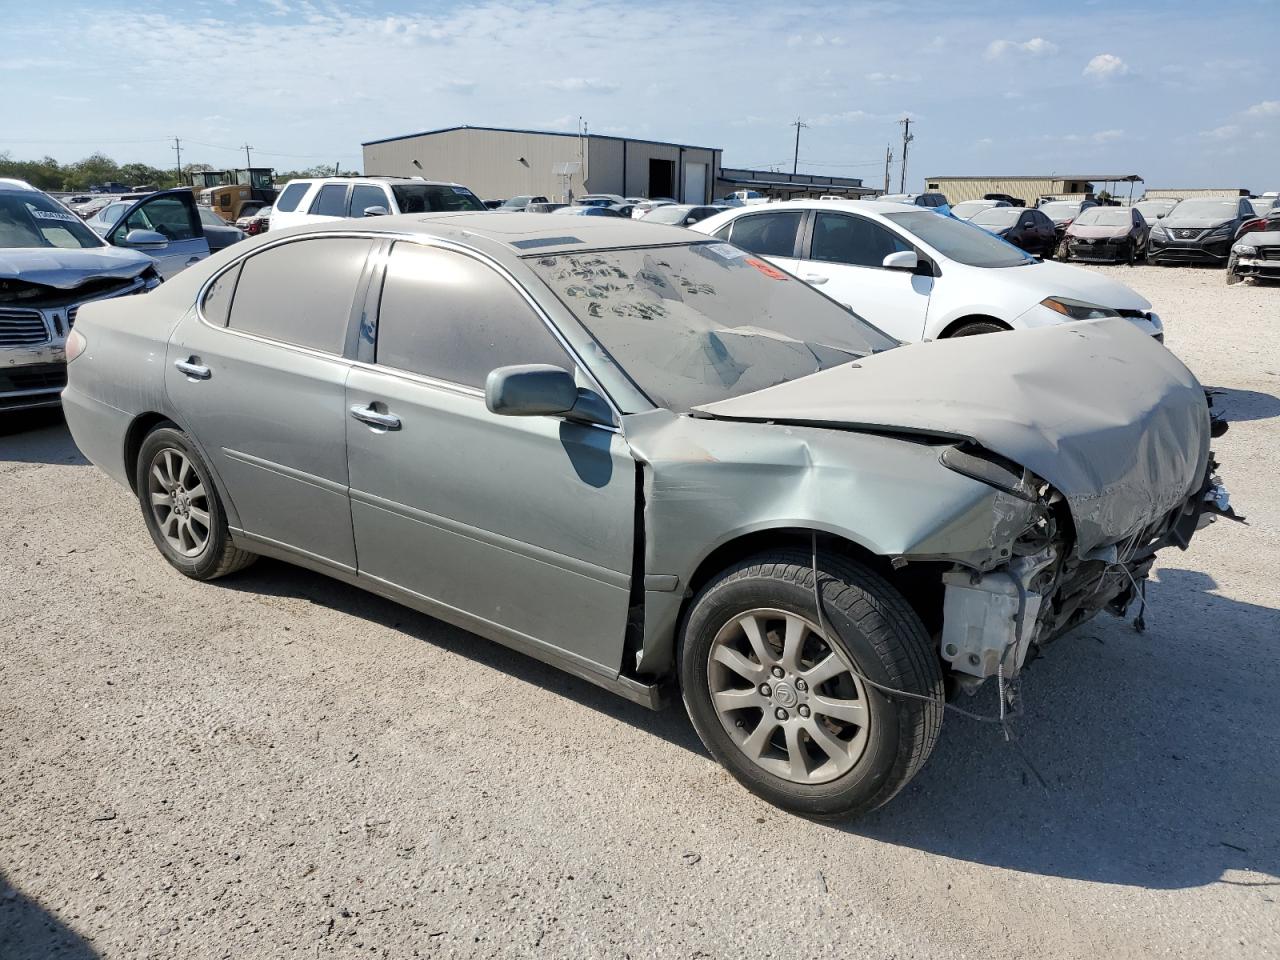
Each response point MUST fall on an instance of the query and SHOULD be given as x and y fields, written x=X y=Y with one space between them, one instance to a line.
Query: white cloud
x=1228 y=131
x=1098 y=136
x=816 y=40
x=1105 y=66
x=581 y=85
x=458 y=86
x=1035 y=47
x=1267 y=108
x=886 y=78
x=834 y=119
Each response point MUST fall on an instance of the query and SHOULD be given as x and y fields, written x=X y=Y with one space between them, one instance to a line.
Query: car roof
x=852 y=206
x=518 y=234
x=10 y=183
x=376 y=179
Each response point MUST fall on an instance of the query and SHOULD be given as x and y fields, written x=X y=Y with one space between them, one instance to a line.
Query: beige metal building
x=1185 y=193
x=499 y=163
x=1032 y=189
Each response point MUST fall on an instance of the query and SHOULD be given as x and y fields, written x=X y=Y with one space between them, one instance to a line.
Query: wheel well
x=137 y=432
x=920 y=583
x=955 y=325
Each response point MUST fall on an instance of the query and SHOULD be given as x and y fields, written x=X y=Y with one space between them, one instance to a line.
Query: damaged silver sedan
x=657 y=462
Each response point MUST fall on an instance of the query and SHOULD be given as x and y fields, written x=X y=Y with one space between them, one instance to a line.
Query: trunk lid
x=1110 y=418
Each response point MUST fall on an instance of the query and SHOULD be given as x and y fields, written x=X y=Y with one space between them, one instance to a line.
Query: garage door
x=695 y=183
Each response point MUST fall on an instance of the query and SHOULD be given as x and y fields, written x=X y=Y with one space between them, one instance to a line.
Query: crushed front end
x=997 y=618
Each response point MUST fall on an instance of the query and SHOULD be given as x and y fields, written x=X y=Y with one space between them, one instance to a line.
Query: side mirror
x=541 y=390
x=378 y=211
x=145 y=238
x=902 y=260
x=690 y=220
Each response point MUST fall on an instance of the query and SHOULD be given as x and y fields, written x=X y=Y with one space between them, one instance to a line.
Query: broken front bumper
x=994 y=622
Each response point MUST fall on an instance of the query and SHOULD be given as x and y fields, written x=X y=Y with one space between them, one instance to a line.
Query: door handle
x=192 y=369
x=814 y=278
x=386 y=421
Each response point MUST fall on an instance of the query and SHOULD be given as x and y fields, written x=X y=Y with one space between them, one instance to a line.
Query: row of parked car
x=1161 y=231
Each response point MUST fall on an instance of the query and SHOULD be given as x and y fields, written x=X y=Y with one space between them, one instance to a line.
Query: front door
x=173 y=216
x=845 y=258
x=523 y=524
x=260 y=377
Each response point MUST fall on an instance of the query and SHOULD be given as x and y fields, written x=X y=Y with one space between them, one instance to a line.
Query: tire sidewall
x=202 y=566
x=707 y=617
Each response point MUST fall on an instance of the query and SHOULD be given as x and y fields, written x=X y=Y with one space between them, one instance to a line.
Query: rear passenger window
x=288 y=201
x=301 y=292
x=768 y=234
x=217 y=299
x=448 y=316
x=331 y=201
x=364 y=195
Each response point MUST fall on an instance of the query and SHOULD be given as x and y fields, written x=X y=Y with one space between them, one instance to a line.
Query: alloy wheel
x=179 y=502
x=788 y=699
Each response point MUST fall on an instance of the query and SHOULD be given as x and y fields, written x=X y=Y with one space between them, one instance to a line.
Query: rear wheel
x=977 y=327
x=782 y=702
x=181 y=507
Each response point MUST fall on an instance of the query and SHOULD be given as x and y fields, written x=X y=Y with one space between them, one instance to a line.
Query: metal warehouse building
x=1030 y=189
x=498 y=163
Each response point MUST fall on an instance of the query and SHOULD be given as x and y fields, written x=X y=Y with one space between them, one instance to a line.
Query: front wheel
x=785 y=705
x=181 y=507
x=977 y=327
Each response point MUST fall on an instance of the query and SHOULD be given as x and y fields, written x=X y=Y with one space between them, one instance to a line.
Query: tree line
x=49 y=174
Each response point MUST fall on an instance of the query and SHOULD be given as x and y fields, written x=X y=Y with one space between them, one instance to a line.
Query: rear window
x=331 y=201
x=301 y=292
x=768 y=234
x=434 y=198
x=288 y=201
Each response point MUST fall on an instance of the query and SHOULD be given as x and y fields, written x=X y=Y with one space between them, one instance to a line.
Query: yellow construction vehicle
x=229 y=192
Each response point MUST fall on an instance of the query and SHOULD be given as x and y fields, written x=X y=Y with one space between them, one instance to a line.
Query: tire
x=977 y=327
x=877 y=634
x=181 y=507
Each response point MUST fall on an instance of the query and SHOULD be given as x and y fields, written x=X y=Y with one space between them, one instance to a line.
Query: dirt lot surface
x=277 y=765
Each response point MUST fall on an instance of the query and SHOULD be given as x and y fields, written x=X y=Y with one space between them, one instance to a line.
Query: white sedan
x=919 y=276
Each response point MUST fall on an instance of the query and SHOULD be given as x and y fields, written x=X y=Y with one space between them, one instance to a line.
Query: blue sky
x=1183 y=93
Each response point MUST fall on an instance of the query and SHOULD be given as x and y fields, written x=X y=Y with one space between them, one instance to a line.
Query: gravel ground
x=277 y=765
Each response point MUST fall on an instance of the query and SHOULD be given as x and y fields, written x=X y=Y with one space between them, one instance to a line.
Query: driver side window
x=858 y=242
x=168 y=216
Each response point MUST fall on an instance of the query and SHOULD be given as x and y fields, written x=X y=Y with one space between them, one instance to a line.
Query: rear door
x=846 y=255
x=172 y=215
x=259 y=378
x=521 y=526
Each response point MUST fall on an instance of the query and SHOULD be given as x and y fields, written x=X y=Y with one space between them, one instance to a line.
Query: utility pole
x=888 y=159
x=795 y=163
x=906 y=139
x=177 y=148
x=247 y=162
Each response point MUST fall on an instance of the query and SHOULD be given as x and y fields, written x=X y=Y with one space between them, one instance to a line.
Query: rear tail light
x=1251 y=226
x=75 y=344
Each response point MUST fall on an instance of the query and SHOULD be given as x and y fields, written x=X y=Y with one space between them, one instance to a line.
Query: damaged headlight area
x=1078 y=309
x=996 y=471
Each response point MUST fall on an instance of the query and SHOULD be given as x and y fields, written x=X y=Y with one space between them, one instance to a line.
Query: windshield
x=1105 y=217
x=1206 y=209
x=30 y=219
x=968 y=208
x=1060 y=209
x=1151 y=209
x=960 y=240
x=693 y=324
x=668 y=214
x=997 y=217
x=434 y=198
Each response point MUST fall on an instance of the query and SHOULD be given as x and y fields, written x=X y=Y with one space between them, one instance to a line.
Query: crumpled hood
x=1051 y=278
x=1110 y=418
x=67 y=269
x=1261 y=238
